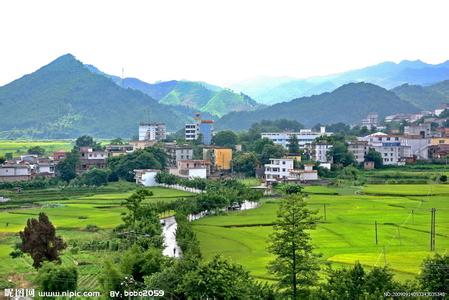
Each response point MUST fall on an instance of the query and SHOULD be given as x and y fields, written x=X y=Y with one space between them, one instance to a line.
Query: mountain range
x=388 y=75
x=349 y=103
x=64 y=99
x=200 y=96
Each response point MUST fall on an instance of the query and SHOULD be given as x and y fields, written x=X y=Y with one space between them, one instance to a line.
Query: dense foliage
x=39 y=240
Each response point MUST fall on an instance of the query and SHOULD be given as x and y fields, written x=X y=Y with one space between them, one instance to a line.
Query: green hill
x=227 y=101
x=424 y=97
x=64 y=100
x=348 y=103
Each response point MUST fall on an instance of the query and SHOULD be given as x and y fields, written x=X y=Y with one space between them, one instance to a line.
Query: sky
x=220 y=42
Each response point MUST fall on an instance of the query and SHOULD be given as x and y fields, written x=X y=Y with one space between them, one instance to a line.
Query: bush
x=56 y=278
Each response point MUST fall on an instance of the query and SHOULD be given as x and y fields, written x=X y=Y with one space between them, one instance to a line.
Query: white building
x=393 y=149
x=152 y=131
x=191 y=131
x=146 y=177
x=305 y=136
x=320 y=151
x=422 y=130
x=278 y=169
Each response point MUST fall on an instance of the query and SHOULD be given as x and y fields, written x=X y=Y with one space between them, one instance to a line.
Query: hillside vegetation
x=349 y=103
x=64 y=99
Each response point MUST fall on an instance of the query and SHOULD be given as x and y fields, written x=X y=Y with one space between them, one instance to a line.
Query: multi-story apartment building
x=278 y=169
x=219 y=157
x=199 y=128
x=152 y=131
x=320 y=151
x=90 y=158
x=359 y=149
x=371 y=121
x=176 y=153
x=305 y=137
x=393 y=150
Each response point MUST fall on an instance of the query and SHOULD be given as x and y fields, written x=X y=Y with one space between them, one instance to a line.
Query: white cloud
x=220 y=41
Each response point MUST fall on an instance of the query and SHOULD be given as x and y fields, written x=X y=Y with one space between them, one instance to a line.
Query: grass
x=70 y=211
x=347 y=235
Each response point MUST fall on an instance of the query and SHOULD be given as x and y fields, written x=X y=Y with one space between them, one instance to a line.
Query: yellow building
x=294 y=157
x=220 y=158
x=440 y=141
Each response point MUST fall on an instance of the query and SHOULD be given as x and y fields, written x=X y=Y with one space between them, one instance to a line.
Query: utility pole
x=413 y=216
x=375 y=229
x=432 y=229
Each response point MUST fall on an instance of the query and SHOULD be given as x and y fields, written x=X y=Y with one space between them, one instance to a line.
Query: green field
x=70 y=211
x=347 y=235
x=19 y=147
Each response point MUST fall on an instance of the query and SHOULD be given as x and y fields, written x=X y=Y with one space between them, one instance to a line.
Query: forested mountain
x=64 y=99
x=424 y=97
x=349 y=103
x=200 y=96
x=387 y=75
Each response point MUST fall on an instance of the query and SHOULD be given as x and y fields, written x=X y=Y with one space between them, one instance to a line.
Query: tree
x=94 y=177
x=110 y=278
x=293 y=144
x=245 y=163
x=118 y=141
x=434 y=274
x=271 y=151
x=218 y=279
x=66 y=168
x=54 y=278
x=225 y=138
x=138 y=264
x=87 y=141
x=295 y=265
x=356 y=283
x=39 y=240
x=375 y=157
x=339 y=154
x=36 y=150
x=2 y=159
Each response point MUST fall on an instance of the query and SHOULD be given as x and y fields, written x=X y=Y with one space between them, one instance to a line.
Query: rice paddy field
x=70 y=211
x=20 y=147
x=347 y=233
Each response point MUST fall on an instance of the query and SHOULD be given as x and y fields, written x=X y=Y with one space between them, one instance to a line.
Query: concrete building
x=59 y=155
x=176 y=153
x=92 y=159
x=305 y=137
x=359 y=149
x=422 y=130
x=371 y=121
x=392 y=148
x=278 y=169
x=199 y=128
x=191 y=168
x=307 y=174
x=220 y=158
x=138 y=145
x=320 y=151
x=418 y=146
x=11 y=171
x=117 y=150
x=152 y=131
x=146 y=177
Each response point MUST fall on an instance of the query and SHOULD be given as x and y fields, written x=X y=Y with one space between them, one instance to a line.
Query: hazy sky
x=220 y=41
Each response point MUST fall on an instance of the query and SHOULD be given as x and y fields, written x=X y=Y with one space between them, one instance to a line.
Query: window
x=283 y=170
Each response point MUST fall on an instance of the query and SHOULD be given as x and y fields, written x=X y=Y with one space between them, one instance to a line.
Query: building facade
x=320 y=151
x=176 y=153
x=305 y=137
x=199 y=128
x=152 y=132
x=392 y=148
x=278 y=169
x=359 y=149
x=220 y=158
